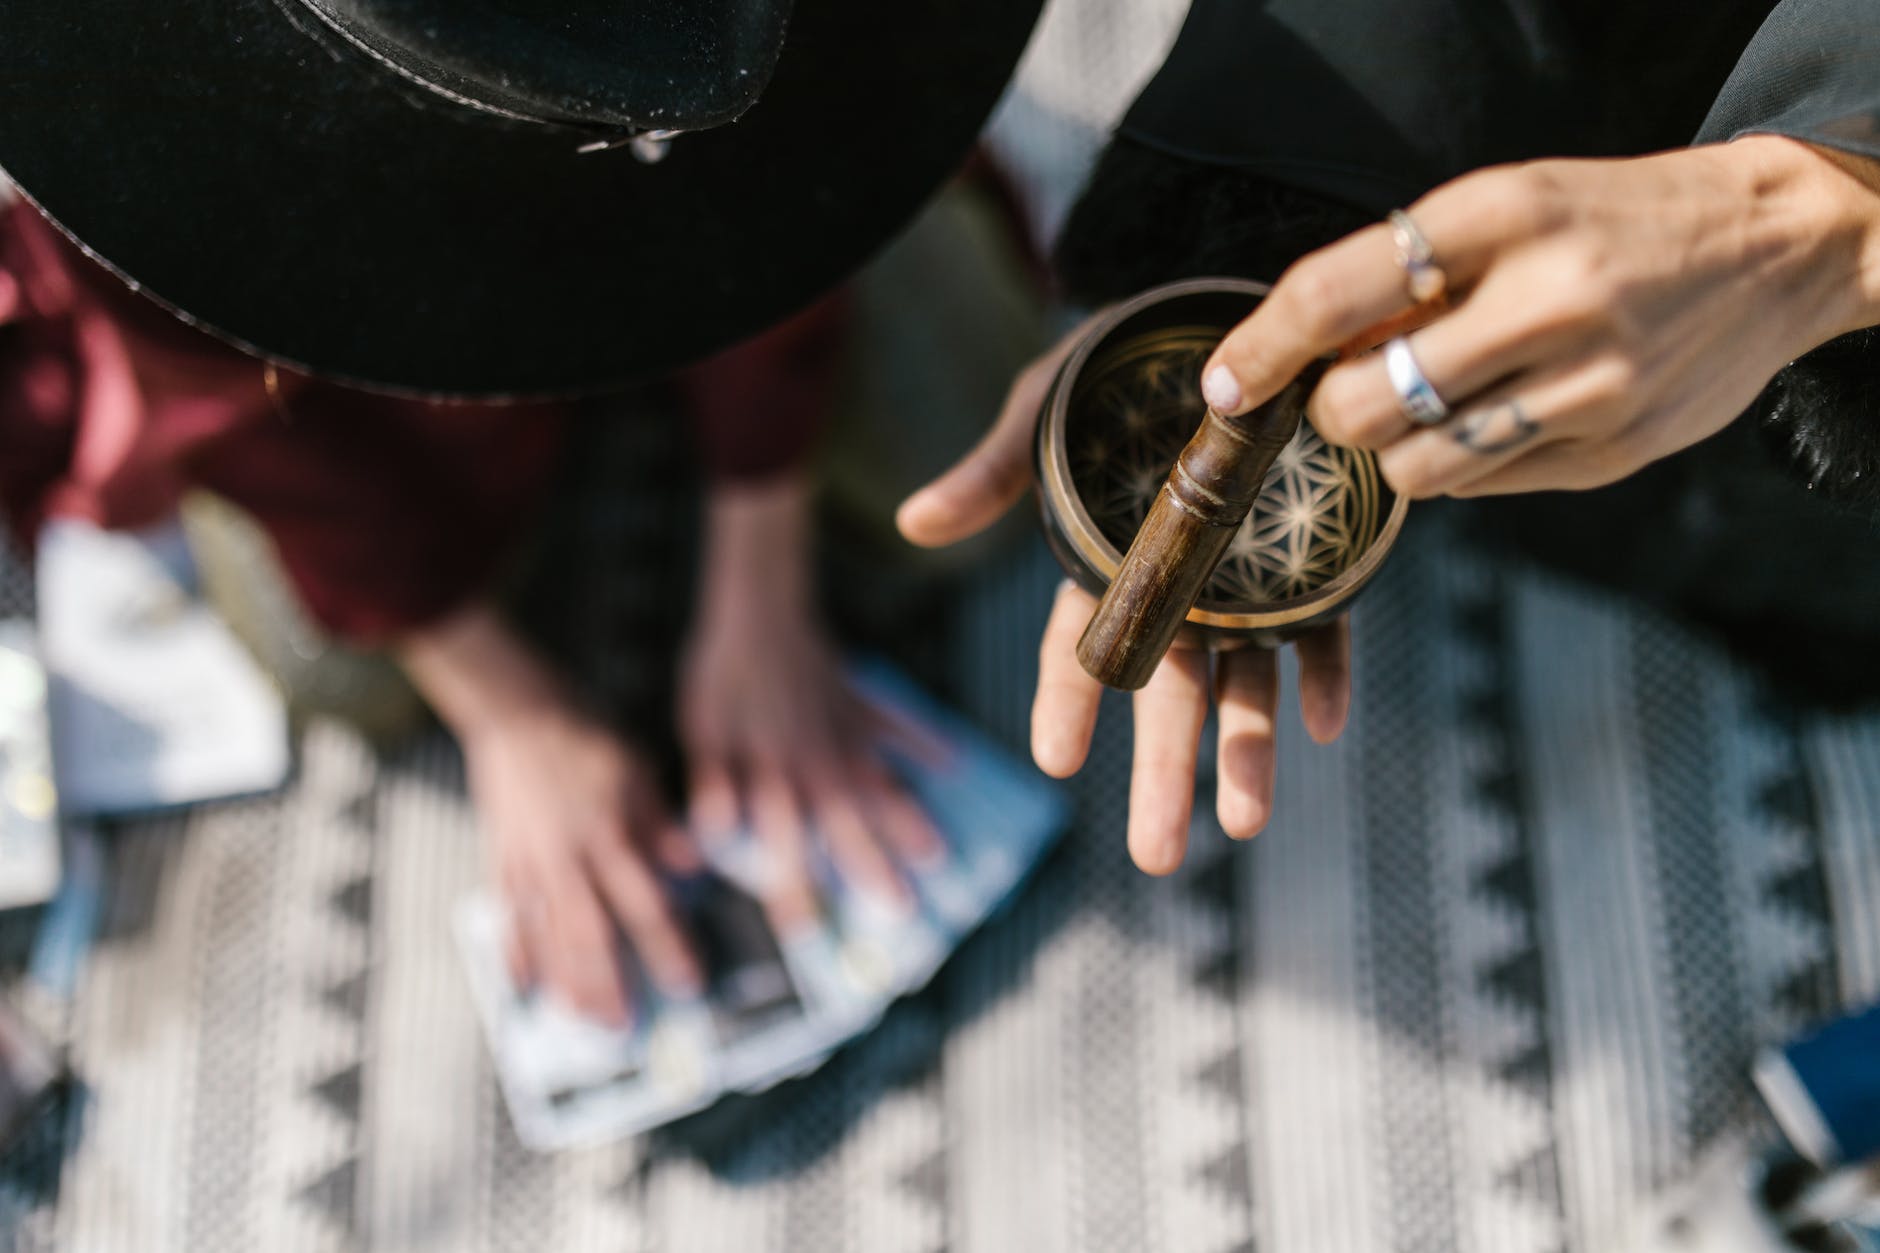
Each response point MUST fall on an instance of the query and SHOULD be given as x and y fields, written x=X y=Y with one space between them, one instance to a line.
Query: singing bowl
x=1120 y=409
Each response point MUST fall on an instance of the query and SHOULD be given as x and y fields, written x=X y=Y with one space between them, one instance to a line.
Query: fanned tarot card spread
x=774 y=1006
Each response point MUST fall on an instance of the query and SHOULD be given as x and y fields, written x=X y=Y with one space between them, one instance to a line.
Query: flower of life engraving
x=1138 y=404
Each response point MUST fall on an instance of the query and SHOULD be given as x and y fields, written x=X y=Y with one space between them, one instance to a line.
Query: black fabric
x=1812 y=72
x=252 y=169
x=1373 y=102
x=1148 y=217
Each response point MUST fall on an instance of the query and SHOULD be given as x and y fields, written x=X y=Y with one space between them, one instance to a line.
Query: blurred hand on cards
x=779 y=745
x=778 y=997
x=776 y=740
x=580 y=837
x=578 y=833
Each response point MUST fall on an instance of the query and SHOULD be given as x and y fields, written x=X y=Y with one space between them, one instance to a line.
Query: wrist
x=1855 y=182
x=757 y=547
x=480 y=676
x=1824 y=209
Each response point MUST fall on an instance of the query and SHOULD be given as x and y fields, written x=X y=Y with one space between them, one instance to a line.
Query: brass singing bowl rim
x=1095 y=548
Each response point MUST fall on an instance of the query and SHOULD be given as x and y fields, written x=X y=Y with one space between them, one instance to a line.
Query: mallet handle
x=1209 y=491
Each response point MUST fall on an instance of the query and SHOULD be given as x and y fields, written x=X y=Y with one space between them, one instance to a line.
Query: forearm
x=477 y=673
x=757 y=547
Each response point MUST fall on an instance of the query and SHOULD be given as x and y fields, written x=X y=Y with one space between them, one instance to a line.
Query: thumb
x=988 y=480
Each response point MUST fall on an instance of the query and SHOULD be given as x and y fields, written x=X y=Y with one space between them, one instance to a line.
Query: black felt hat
x=484 y=197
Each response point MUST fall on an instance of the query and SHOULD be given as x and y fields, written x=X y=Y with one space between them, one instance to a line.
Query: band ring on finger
x=1424 y=279
x=1476 y=430
x=1417 y=397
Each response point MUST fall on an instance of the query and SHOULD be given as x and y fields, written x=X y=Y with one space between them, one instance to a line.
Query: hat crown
x=621 y=65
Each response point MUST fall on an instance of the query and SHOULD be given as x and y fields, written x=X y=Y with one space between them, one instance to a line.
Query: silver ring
x=1416 y=397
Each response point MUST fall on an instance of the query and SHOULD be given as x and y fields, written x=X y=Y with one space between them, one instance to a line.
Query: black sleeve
x=1813 y=73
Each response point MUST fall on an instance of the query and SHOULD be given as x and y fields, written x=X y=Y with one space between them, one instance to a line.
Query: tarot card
x=568 y=1080
x=998 y=815
x=811 y=951
x=883 y=949
x=764 y=1024
x=775 y=1006
x=862 y=954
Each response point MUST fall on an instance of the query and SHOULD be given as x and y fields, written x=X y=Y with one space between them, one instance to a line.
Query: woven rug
x=1494 y=974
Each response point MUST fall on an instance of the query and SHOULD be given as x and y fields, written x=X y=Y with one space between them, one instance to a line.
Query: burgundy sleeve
x=758 y=408
x=387 y=513
x=38 y=379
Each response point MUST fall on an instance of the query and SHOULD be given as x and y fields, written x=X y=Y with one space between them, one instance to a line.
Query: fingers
x=1336 y=294
x=1566 y=466
x=897 y=731
x=908 y=829
x=575 y=951
x=853 y=844
x=524 y=938
x=1325 y=679
x=719 y=813
x=637 y=901
x=1247 y=690
x=1323 y=300
x=675 y=848
x=714 y=797
x=1170 y=710
x=1498 y=332
x=777 y=821
x=989 y=479
x=1064 y=712
x=1510 y=423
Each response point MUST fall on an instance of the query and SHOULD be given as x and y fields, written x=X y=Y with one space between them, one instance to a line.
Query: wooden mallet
x=1209 y=492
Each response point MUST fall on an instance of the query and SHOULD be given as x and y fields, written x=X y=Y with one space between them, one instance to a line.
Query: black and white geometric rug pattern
x=1493 y=975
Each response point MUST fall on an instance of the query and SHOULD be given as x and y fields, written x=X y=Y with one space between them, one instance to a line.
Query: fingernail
x=1221 y=389
x=1159 y=860
x=1326 y=720
x=910 y=509
x=1246 y=823
x=1052 y=750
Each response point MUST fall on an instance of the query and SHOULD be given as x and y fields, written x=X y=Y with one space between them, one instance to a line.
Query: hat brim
x=309 y=206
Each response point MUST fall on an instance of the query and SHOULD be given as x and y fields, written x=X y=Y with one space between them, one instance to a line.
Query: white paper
x=29 y=816
x=154 y=702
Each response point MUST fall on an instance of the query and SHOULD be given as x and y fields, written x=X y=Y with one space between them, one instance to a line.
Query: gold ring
x=1423 y=278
